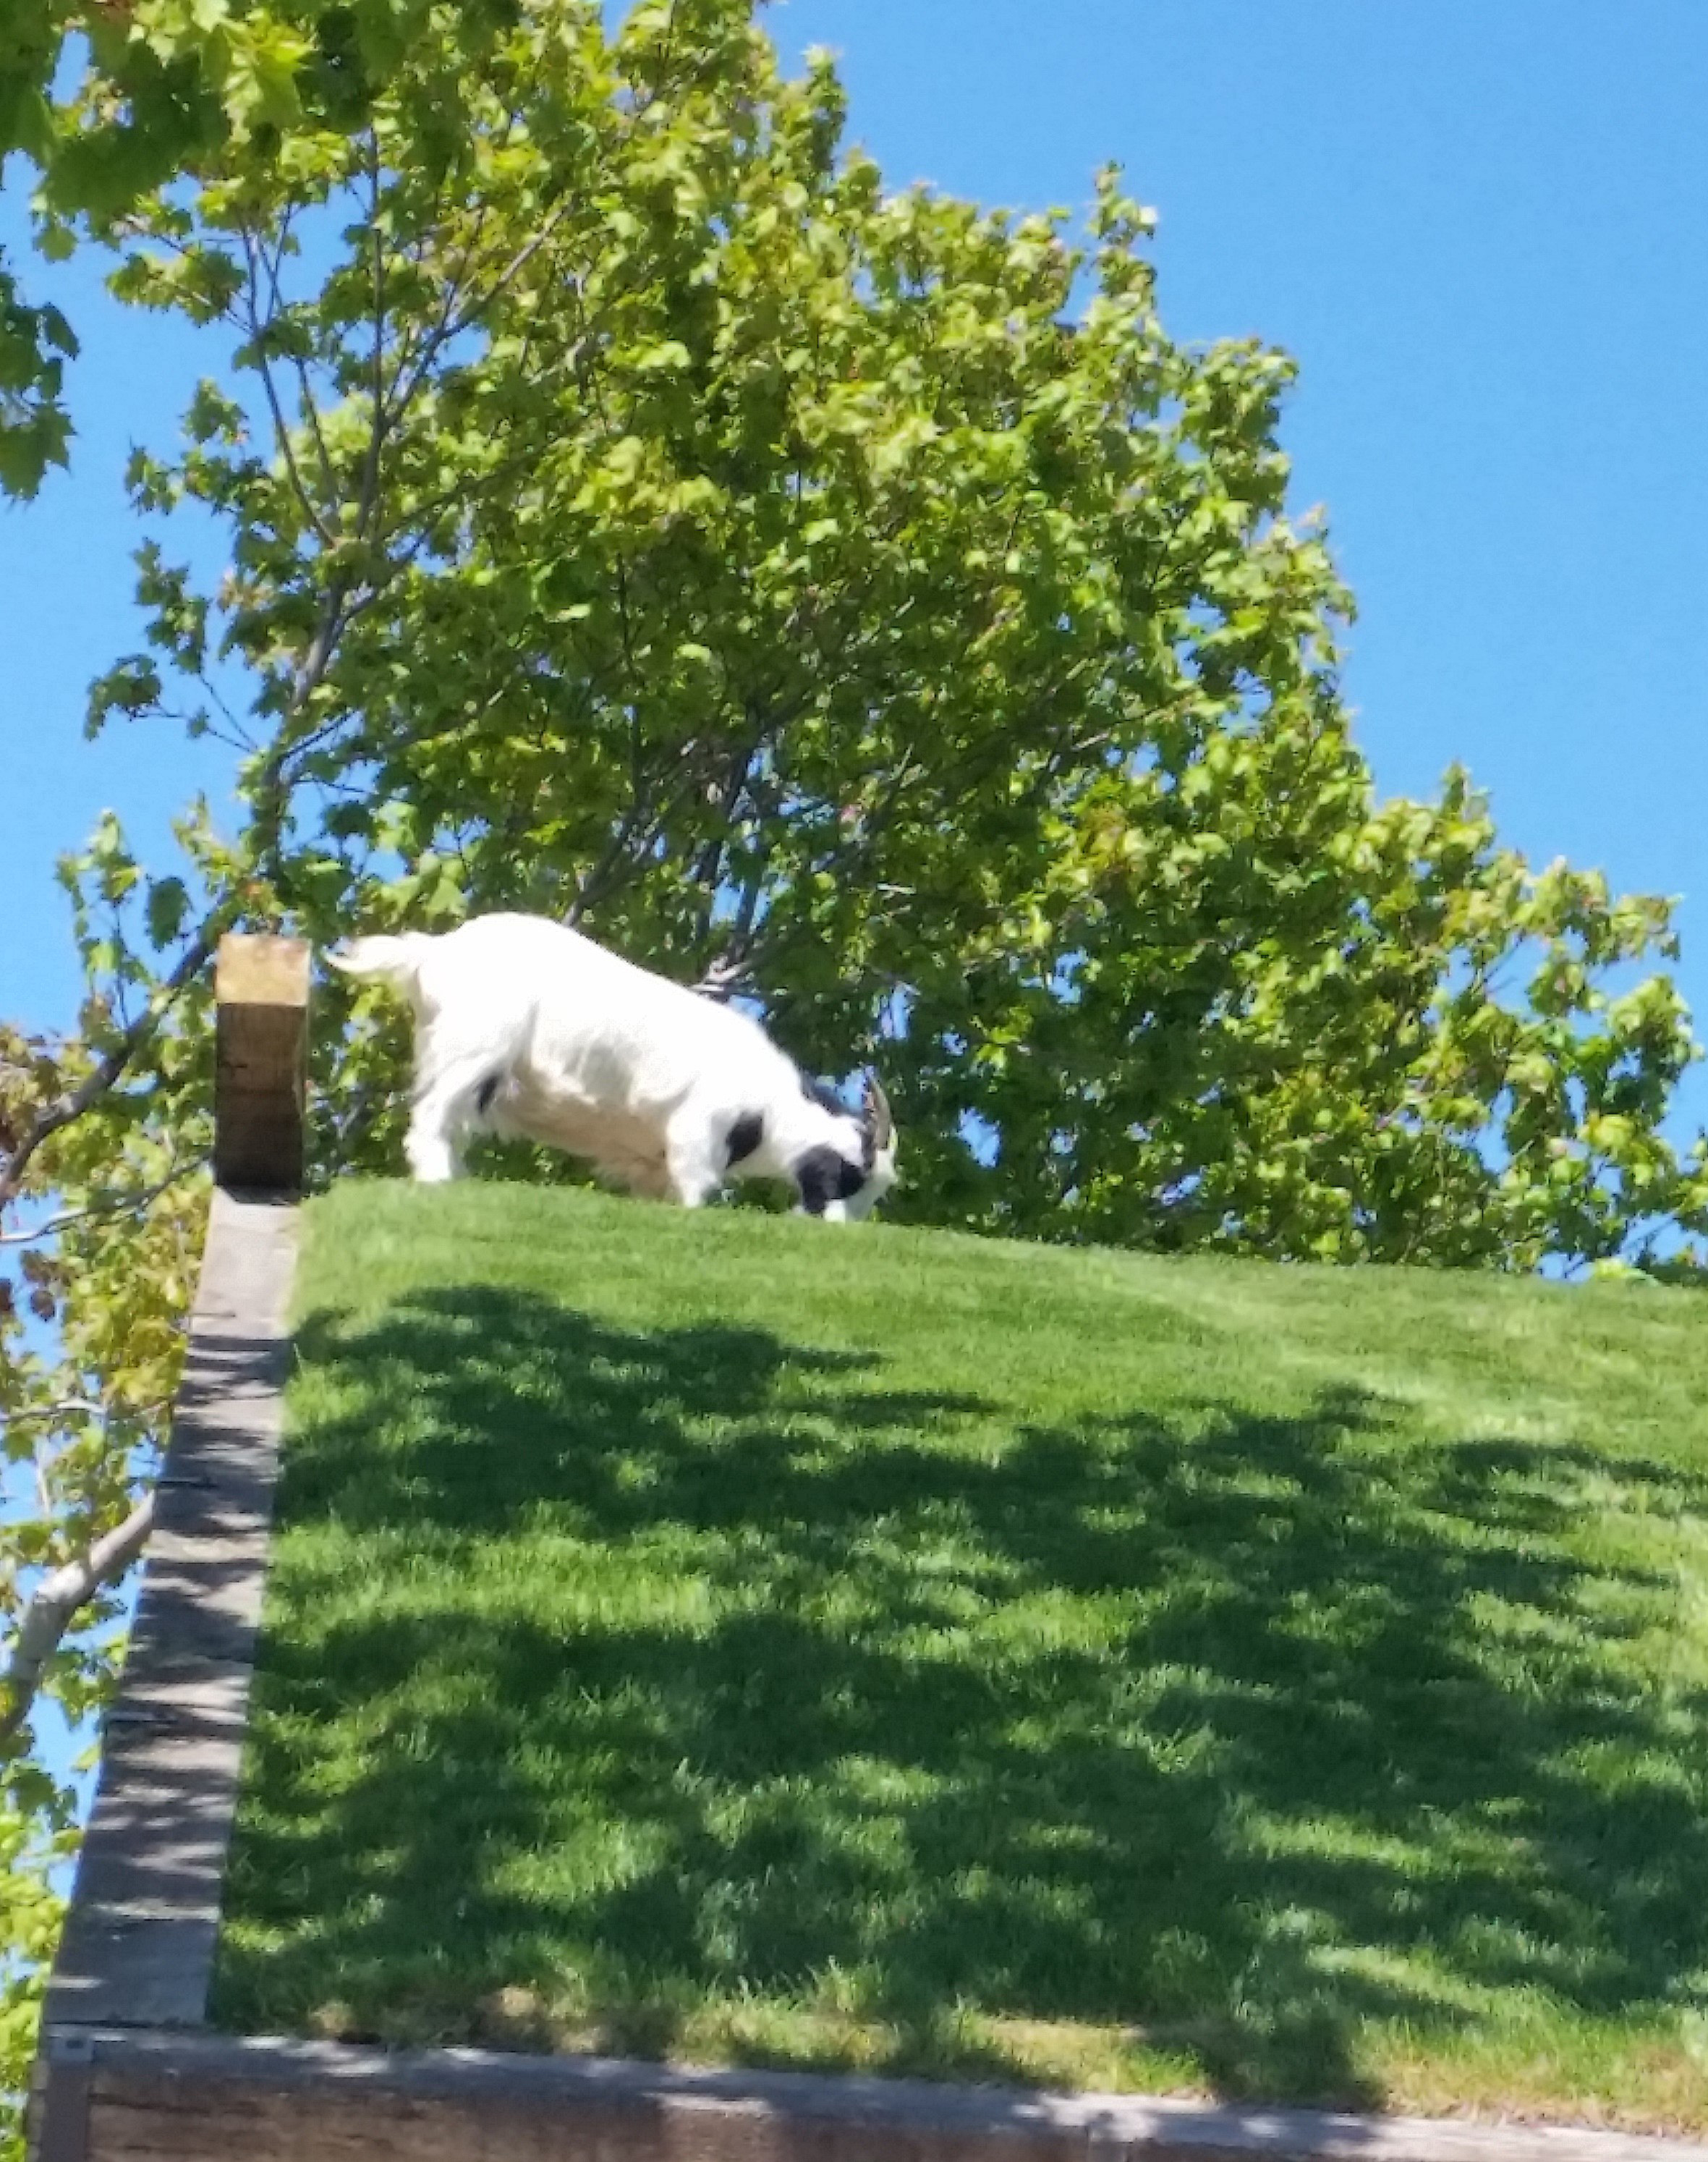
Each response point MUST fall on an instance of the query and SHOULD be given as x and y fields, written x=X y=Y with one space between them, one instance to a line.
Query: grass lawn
x=732 y=1638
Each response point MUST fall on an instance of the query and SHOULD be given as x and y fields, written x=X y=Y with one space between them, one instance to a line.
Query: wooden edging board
x=138 y=1947
x=216 y=2098
x=128 y=2070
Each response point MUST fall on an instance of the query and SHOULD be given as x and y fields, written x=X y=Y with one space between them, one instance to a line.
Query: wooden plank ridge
x=181 y=2098
x=138 y=1947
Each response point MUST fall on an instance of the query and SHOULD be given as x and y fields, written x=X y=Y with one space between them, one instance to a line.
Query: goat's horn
x=877 y=1109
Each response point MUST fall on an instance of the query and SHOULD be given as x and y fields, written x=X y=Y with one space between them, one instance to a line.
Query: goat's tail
x=384 y=960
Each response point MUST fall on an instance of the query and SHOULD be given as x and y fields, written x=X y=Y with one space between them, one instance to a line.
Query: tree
x=778 y=577
x=854 y=601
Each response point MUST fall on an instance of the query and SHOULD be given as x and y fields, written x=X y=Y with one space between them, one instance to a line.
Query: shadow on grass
x=1242 y=1740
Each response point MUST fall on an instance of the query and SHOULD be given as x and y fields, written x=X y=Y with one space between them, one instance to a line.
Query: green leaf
x=168 y=903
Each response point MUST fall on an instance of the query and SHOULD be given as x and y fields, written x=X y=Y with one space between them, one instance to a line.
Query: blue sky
x=1480 y=231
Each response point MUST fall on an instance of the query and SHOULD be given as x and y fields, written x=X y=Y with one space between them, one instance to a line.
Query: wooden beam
x=138 y=1946
x=211 y=2098
x=261 y=1055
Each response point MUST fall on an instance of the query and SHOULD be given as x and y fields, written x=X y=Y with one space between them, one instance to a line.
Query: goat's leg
x=692 y=1172
x=446 y=1101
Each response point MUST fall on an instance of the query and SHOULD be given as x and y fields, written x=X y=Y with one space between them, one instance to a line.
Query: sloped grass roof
x=735 y=1639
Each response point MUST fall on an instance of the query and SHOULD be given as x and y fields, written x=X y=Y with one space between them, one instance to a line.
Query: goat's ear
x=875 y=1105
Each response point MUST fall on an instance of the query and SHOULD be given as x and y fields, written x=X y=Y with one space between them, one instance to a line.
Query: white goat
x=531 y=1029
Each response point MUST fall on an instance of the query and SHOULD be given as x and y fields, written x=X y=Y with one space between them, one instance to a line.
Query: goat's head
x=843 y=1178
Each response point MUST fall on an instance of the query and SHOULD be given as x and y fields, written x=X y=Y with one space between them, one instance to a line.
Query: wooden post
x=261 y=1051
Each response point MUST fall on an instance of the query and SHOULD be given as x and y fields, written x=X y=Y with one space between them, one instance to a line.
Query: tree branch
x=306 y=395
x=377 y=434
x=65 y=1407
x=55 y=1605
x=721 y=979
x=107 y=1070
x=116 y=1204
x=281 y=432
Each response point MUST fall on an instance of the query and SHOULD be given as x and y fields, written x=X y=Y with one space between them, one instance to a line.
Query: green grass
x=730 y=1638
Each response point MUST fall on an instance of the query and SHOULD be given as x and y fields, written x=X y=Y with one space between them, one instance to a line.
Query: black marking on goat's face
x=823 y=1176
x=745 y=1137
x=488 y=1089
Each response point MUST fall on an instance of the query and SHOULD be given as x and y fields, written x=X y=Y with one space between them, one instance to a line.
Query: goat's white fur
x=531 y=1029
